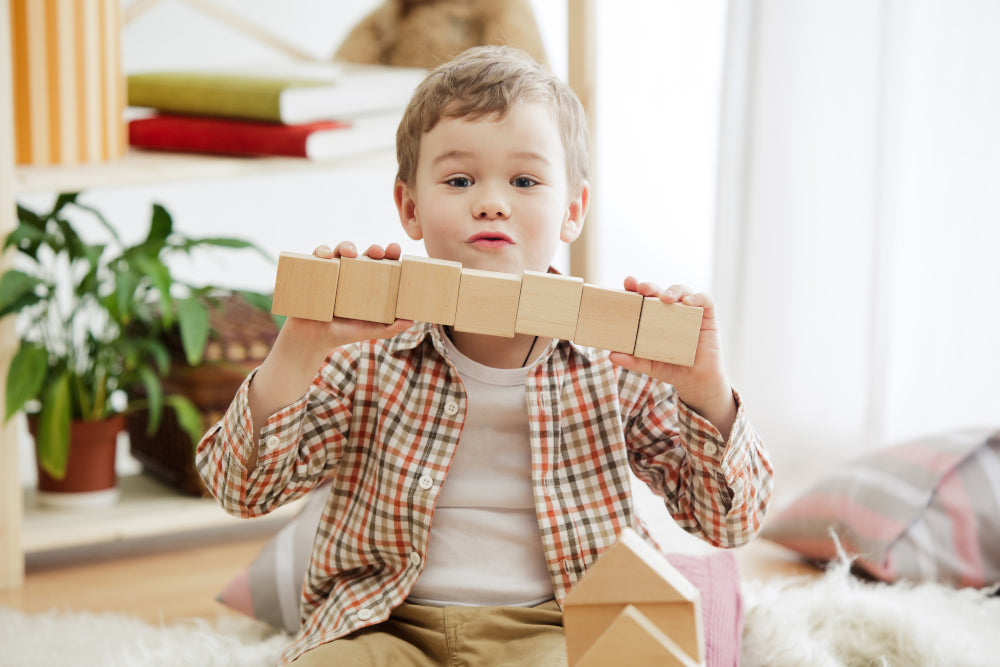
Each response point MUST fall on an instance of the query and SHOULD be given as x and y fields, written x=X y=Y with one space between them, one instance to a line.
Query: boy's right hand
x=321 y=337
x=303 y=345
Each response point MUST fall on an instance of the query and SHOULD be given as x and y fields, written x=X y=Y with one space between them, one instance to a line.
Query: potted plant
x=92 y=320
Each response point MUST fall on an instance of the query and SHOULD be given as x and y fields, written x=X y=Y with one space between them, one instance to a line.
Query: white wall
x=858 y=234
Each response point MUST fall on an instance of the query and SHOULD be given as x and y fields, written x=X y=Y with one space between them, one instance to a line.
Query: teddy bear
x=426 y=33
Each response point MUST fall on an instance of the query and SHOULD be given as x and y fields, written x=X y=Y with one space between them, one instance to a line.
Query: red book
x=319 y=140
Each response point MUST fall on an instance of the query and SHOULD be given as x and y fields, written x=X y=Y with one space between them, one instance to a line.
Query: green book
x=348 y=92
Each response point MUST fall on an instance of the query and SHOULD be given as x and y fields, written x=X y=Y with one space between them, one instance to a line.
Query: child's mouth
x=490 y=240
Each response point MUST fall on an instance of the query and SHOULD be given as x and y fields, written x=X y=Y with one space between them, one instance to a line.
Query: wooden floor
x=161 y=584
x=164 y=583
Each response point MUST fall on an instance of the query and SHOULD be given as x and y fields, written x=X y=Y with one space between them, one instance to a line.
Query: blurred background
x=828 y=169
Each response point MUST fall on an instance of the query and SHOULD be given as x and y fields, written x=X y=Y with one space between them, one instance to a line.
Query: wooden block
x=634 y=639
x=305 y=286
x=549 y=305
x=487 y=302
x=680 y=620
x=609 y=319
x=428 y=290
x=368 y=289
x=668 y=332
x=632 y=572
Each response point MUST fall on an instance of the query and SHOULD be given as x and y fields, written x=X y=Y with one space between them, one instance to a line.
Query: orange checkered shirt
x=383 y=418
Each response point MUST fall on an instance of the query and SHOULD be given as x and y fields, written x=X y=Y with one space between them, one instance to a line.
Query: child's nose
x=490 y=210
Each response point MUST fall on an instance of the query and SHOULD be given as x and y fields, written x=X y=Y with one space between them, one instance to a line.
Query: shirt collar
x=415 y=336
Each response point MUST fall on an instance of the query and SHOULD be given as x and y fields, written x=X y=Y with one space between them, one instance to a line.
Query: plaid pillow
x=926 y=510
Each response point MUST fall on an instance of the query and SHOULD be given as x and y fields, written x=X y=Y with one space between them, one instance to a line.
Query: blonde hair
x=488 y=81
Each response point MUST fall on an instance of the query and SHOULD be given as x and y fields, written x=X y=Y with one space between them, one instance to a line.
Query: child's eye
x=523 y=182
x=459 y=181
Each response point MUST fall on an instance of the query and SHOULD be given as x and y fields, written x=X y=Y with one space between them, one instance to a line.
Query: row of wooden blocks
x=486 y=302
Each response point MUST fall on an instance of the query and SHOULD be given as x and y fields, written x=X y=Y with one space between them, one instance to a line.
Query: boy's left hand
x=704 y=386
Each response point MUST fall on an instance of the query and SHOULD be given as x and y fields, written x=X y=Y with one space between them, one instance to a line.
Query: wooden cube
x=609 y=319
x=668 y=332
x=367 y=289
x=305 y=286
x=632 y=634
x=428 y=290
x=487 y=302
x=549 y=305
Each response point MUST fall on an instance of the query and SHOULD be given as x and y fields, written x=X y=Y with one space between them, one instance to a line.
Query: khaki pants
x=419 y=636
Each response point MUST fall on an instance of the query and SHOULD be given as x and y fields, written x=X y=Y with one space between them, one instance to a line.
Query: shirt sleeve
x=713 y=488
x=299 y=444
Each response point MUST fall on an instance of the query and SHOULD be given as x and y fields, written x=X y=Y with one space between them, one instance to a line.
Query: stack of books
x=331 y=111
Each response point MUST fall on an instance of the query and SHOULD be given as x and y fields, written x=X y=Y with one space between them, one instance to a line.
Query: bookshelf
x=148 y=509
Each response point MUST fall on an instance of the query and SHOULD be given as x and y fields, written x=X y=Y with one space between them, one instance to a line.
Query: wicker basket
x=241 y=337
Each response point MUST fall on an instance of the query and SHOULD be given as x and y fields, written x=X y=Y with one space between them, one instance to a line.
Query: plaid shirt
x=383 y=418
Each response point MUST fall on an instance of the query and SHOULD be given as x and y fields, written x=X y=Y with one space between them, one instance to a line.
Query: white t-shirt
x=485 y=546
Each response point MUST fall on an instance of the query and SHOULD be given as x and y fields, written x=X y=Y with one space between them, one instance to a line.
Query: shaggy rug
x=831 y=621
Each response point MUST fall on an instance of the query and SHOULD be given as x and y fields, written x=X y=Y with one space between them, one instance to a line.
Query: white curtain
x=858 y=222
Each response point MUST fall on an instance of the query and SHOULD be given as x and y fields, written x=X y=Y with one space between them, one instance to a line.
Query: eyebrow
x=459 y=154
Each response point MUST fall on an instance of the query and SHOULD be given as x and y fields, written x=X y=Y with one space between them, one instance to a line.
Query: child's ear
x=406 y=205
x=575 y=214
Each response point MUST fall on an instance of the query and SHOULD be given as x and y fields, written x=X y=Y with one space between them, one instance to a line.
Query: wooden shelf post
x=11 y=554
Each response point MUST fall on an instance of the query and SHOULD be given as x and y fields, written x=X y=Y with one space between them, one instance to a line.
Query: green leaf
x=25 y=377
x=225 y=242
x=192 y=317
x=154 y=397
x=28 y=235
x=188 y=417
x=100 y=218
x=159 y=274
x=52 y=444
x=17 y=291
x=160 y=224
x=257 y=299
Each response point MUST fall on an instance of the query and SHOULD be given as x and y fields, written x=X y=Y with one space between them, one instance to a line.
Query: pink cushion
x=717 y=578
x=925 y=510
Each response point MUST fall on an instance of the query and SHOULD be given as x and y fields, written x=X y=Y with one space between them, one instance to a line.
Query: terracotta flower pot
x=90 y=470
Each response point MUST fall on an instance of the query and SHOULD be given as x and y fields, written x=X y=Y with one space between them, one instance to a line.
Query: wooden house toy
x=633 y=608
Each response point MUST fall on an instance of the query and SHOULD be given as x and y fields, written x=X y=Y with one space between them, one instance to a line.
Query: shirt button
x=365 y=614
x=271 y=442
x=415 y=559
x=711 y=449
x=451 y=408
x=425 y=482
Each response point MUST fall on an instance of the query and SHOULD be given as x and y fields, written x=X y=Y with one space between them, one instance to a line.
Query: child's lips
x=490 y=240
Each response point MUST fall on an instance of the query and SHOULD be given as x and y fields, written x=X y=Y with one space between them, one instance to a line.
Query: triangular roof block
x=634 y=640
x=631 y=571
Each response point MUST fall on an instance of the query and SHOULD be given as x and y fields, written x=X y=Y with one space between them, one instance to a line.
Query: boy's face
x=493 y=193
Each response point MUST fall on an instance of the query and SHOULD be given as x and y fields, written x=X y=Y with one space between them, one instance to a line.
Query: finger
x=375 y=251
x=628 y=362
x=345 y=249
x=631 y=283
x=702 y=300
x=323 y=252
x=648 y=289
x=675 y=293
x=393 y=251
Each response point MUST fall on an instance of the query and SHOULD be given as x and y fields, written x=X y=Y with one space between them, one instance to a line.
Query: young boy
x=475 y=478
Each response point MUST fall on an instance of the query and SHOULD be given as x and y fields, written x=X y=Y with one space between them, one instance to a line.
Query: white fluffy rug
x=839 y=620
x=827 y=622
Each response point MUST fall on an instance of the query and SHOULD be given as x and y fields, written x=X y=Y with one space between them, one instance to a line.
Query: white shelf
x=147 y=508
x=149 y=167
